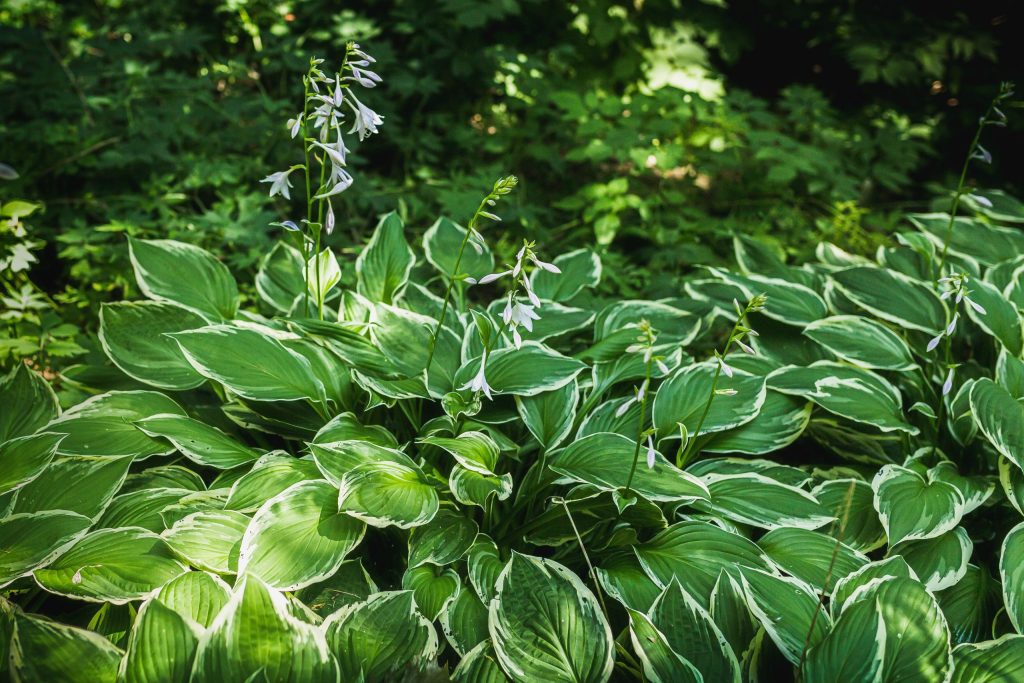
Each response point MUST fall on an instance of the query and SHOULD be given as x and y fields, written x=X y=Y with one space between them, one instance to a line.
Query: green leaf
x=271 y=475
x=1001 y=318
x=380 y=635
x=256 y=637
x=970 y=605
x=911 y=507
x=161 y=646
x=547 y=625
x=855 y=509
x=939 y=562
x=404 y=337
x=279 y=280
x=480 y=665
x=811 y=556
x=104 y=425
x=893 y=297
x=916 y=635
x=199 y=442
x=322 y=275
x=853 y=650
x=472 y=488
x=444 y=540
x=441 y=244
x=22 y=459
x=1000 y=418
x=694 y=553
x=623 y=578
x=473 y=450
x=550 y=416
x=683 y=396
x=862 y=341
x=763 y=502
x=197 y=596
x=788 y=302
x=605 y=460
x=79 y=484
x=989 y=662
x=32 y=540
x=531 y=370
x=43 y=650
x=141 y=508
x=881 y=570
x=184 y=274
x=134 y=335
x=384 y=264
x=581 y=269
x=112 y=565
x=1011 y=571
x=788 y=609
x=781 y=420
x=691 y=632
x=298 y=537
x=464 y=622
x=661 y=664
x=433 y=588
x=29 y=403
x=208 y=540
x=856 y=394
x=250 y=363
x=388 y=494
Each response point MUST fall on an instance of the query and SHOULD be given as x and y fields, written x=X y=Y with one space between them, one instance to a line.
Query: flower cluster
x=739 y=332
x=644 y=345
x=333 y=102
x=516 y=313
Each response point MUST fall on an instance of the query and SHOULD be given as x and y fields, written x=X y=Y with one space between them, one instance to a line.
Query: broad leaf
x=186 y=275
x=135 y=336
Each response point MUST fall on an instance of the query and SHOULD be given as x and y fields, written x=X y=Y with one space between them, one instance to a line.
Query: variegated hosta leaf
x=547 y=625
x=605 y=460
x=271 y=475
x=441 y=243
x=208 y=540
x=581 y=269
x=813 y=557
x=916 y=634
x=550 y=416
x=380 y=635
x=781 y=420
x=990 y=661
x=970 y=605
x=694 y=553
x=623 y=578
x=853 y=393
x=691 y=632
x=44 y=650
x=134 y=336
x=31 y=540
x=1001 y=419
x=480 y=665
x=29 y=403
x=683 y=396
x=464 y=621
x=383 y=266
x=791 y=303
x=1001 y=318
x=862 y=341
x=82 y=484
x=199 y=442
x=893 y=297
x=939 y=562
x=104 y=425
x=531 y=370
x=256 y=636
x=24 y=458
x=433 y=588
x=731 y=615
x=279 y=279
x=660 y=662
x=854 y=508
x=473 y=488
x=1011 y=571
x=763 y=502
x=186 y=275
x=196 y=596
x=888 y=568
x=111 y=565
x=854 y=650
x=473 y=450
x=444 y=540
x=298 y=537
x=161 y=646
x=388 y=494
x=788 y=609
x=322 y=274
x=912 y=507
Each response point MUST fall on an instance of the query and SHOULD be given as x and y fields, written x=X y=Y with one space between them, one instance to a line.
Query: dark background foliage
x=653 y=129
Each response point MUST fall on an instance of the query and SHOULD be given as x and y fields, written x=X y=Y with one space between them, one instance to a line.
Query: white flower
x=295 y=125
x=366 y=120
x=279 y=183
x=661 y=366
x=329 y=220
x=342 y=181
x=529 y=293
x=952 y=324
x=725 y=367
x=479 y=382
x=934 y=342
x=650 y=452
x=746 y=348
x=975 y=306
x=336 y=152
x=521 y=314
x=491 y=277
x=947 y=386
x=364 y=77
x=621 y=410
x=550 y=267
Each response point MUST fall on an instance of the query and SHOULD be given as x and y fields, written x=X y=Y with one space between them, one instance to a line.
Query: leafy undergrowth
x=567 y=490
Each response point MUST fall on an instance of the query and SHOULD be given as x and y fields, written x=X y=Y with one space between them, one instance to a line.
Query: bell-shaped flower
x=279 y=183
x=479 y=381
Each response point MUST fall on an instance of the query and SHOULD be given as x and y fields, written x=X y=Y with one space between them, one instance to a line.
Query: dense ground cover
x=438 y=450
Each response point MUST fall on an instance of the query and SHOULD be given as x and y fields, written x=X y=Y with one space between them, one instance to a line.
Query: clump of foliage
x=446 y=468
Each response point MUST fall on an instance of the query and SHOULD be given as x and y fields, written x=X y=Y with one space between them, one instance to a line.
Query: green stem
x=309 y=190
x=586 y=558
x=683 y=458
x=639 y=428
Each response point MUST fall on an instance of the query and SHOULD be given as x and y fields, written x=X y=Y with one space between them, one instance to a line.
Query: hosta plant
x=449 y=468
